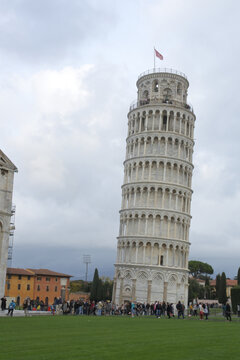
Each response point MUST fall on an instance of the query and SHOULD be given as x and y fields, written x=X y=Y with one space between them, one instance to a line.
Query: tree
x=238 y=277
x=80 y=285
x=198 y=268
x=194 y=290
x=222 y=291
x=218 y=284
x=95 y=286
x=235 y=297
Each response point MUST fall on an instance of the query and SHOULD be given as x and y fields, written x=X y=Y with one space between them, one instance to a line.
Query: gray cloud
x=46 y=30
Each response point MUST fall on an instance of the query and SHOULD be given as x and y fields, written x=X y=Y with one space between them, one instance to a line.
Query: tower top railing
x=139 y=103
x=162 y=70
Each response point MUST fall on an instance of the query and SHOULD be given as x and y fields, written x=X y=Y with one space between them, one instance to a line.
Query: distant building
x=37 y=284
x=7 y=170
x=229 y=285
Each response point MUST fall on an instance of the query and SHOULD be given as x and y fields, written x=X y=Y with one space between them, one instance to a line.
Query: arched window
x=145 y=94
x=179 y=88
x=155 y=86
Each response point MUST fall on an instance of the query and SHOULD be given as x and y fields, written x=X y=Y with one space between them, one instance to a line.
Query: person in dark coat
x=3 y=303
x=228 y=312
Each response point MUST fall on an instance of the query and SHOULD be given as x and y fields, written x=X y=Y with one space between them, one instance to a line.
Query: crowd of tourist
x=81 y=307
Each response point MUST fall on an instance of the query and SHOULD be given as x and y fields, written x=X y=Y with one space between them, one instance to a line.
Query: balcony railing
x=135 y=104
x=162 y=70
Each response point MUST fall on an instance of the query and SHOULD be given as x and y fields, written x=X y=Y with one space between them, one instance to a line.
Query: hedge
x=235 y=297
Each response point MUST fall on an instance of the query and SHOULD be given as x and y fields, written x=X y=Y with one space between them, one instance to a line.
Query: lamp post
x=86 y=260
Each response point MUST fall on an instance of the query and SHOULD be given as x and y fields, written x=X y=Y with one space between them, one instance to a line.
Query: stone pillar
x=114 y=290
x=149 y=291
x=165 y=287
x=134 y=289
x=121 y=292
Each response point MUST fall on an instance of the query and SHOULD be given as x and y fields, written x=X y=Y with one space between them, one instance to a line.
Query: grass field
x=97 y=338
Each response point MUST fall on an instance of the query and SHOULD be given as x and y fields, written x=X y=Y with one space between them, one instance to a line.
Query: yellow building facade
x=19 y=284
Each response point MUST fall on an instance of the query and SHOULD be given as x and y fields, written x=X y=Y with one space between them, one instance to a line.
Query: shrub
x=235 y=297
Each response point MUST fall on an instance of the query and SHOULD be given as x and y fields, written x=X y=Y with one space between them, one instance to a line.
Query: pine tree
x=238 y=277
x=100 y=290
x=218 y=282
x=95 y=286
x=222 y=292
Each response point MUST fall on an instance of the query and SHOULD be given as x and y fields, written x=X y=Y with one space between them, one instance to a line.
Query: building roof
x=229 y=282
x=48 y=272
x=18 y=271
x=33 y=272
x=6 y=163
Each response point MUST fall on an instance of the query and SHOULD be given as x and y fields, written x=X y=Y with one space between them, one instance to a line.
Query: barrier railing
x=162 y=70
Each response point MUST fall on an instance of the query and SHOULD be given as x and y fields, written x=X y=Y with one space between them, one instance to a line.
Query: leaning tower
x=153 y=242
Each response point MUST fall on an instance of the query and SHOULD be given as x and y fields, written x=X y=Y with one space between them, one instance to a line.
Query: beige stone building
x=7 y=170
x=153 y=242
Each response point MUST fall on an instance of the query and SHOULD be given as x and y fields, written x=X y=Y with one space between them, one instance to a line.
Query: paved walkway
x=21 y=313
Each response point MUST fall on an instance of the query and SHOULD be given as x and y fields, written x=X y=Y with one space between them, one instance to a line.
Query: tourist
x=11 y=308
x=158 y=310
x=133 y=309
x=201 y=311
x=205 y=311
x=180 y=309
x=169 y=311
x=195 y=310
x=26 y=305
x=3 y=303
x=228 y=312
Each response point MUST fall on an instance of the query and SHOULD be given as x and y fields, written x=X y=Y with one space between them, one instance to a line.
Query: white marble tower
x=153 y=242
x=7 y=169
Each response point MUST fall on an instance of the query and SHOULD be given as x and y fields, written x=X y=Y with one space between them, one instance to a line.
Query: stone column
x=149 y=291
x=114 y=290
x=165 y=286
x=134 y=289
x=121 y=292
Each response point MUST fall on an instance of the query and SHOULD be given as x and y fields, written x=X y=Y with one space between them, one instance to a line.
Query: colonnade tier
x=161 y=119
x=155 y=224
x=153 y=253
x=161 y=146
x=156 y=197
x=151 y=171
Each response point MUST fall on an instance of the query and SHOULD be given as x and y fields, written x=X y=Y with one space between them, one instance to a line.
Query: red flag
x=158 y=55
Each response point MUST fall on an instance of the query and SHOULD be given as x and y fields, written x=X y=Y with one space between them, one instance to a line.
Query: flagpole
x=154 y=58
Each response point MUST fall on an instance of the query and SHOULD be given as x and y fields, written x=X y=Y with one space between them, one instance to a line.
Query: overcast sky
x=68 y=74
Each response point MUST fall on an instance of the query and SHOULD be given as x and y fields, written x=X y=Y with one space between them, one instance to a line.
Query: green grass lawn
x=80 y=337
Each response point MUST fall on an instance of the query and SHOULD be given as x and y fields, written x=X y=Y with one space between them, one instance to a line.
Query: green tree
x=235 y=297
x=95 y=288
x=80 y=285
x=193 y=289
x=198 y=269
x=222 y=291
x=99 y=290
x=218 y=284
x=238 y=277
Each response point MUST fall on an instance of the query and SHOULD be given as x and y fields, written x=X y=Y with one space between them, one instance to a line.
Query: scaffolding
x=11 y=236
